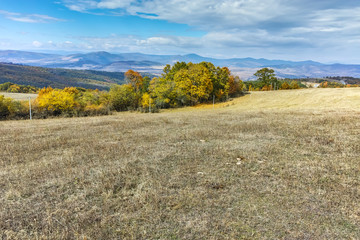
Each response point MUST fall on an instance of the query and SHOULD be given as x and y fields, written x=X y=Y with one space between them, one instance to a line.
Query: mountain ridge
x=151 y=63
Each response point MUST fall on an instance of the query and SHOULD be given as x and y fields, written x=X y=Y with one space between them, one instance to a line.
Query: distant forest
x=58 y=78
x=338 y=79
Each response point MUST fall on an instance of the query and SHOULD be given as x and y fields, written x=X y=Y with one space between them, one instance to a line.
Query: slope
x=58 y=78
x=258 y=169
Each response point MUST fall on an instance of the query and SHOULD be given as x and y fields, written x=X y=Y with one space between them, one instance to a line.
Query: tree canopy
x=266 y=76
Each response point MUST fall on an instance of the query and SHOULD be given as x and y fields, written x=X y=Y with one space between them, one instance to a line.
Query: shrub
x=4 y=109
x=123 y=97
x=56 y=102
x=10 y=109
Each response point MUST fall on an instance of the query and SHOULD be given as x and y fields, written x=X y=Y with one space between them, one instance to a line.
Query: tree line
x=15 y=88
x=183 y=84
x=267 y=81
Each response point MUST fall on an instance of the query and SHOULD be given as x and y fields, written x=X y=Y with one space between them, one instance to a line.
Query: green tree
x=123 y=97
x=266 y=76
x=163 y=91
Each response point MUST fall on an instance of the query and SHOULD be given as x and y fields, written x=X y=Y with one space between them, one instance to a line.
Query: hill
x=271 y=165
x=58 y=78
x=121 y=62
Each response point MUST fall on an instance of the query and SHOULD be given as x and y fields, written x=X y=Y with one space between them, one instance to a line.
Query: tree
x=285 y=85
x=194 y=83
x=123 y=97
x=294 y=85
x=135 y=79
x=266 y=76
x=56 y=101
x=163 y=91
x=235 y=86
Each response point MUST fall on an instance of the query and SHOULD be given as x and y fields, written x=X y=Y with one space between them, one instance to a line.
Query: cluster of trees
x=15 y=88
x=348 y=80
x=183 y=84
x=69 y=102
x=329 y=84
x=267 y=81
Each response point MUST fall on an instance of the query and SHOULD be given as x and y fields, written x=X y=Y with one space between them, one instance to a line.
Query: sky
x=323 y=30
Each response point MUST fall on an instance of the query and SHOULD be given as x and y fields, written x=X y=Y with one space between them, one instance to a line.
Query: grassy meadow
x=269 y=165
x=19 y=96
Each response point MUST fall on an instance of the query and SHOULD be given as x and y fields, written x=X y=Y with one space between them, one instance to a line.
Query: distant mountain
x=24 y=57
x=244 y=67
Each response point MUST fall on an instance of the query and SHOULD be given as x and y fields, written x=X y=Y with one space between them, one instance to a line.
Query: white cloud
x=37 y=44
x=232 y=27
x=200 y=13
x=113 y=4
x=29 y=18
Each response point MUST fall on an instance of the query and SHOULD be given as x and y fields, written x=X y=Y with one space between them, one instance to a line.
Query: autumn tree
x=285 y=85
x=236 y=86
x=56 y=101
x=135 y=80
x=294 y=85
x=194 y=84
x=4 y=107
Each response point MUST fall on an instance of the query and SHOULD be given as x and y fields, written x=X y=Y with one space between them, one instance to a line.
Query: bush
x=56 y=102
x=123 y=97
x=4 y=107
x=10 y=109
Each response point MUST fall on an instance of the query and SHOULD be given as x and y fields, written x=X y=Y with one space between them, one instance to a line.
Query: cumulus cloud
x=29 y=18
x=276 y=26
x=280 y=17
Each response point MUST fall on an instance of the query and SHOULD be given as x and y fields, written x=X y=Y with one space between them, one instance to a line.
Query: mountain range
x=153 y=64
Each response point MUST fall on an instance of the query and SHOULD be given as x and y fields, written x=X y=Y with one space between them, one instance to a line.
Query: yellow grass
x=303 y=99
x=273 y=165
x=19 y=96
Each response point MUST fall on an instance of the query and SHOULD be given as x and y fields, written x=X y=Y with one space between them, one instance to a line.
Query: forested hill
x=58 y=78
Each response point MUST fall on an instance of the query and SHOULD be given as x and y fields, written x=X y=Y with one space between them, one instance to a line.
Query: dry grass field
x=19 y=96
x=270 y=165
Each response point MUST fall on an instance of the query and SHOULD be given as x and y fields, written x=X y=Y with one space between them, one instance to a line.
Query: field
x=19 y=96
x=270 y=165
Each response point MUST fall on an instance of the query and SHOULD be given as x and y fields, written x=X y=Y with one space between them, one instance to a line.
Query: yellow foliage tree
x=294 y=85
x=55 y=101
x=285 y=86
x=147 y=101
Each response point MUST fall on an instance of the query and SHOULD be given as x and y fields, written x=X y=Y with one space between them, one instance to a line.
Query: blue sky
x=321 y=30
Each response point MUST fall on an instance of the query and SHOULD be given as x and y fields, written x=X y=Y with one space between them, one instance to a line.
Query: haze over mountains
x=243 y=67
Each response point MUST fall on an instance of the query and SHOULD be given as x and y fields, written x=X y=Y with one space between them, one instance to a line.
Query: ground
x=19 y=96
x=270 y=165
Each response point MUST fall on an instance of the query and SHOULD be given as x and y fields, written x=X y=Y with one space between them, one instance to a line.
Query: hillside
x=58 y=78
x=270 y=165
